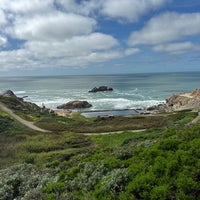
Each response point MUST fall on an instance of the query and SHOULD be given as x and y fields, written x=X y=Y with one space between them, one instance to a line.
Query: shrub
x=124 y=154
x=115 y=181
x=169 y=144
x=141 y=185
x=160 y=192
x=23 y=182
x=87 y=178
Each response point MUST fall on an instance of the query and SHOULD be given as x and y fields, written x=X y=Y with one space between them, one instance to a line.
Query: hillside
x=159 y=163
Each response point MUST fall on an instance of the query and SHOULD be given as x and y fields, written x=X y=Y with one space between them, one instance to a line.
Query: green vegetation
x=161 y=163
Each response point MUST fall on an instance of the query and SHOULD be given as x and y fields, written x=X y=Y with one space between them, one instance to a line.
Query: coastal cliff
x=178 y=102
x=183 y=101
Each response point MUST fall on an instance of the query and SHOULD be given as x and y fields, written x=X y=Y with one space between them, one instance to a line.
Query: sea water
x=131 y=91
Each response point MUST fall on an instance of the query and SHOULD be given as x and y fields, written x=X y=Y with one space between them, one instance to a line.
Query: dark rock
x=157 y=108
x=74 y=105
x=101 y=89
x=8 y=93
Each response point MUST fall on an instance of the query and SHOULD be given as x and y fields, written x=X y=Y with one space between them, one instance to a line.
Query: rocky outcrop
x=7 y=93
x=177 y=102
x=184 y=101
x=157 y=108
x=101 y=89
x=10 y=100
x=75 y=105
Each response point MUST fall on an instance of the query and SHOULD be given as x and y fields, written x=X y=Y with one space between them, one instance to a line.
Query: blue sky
x=57 y=37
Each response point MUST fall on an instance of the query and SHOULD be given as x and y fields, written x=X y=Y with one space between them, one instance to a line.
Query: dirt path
x=115 y=132
x=22 y=121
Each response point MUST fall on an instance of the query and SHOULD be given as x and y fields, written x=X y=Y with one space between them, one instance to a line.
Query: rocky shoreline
x=175 y=102
x=178 y=102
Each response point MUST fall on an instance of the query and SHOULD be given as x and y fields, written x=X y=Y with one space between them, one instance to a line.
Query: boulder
x=101 y=89
x=74 y=105
x=8 y=93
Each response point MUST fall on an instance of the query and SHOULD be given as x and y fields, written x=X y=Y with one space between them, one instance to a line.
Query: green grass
x=184 y=117
x=160 y=163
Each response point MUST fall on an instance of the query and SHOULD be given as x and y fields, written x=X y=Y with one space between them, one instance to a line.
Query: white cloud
x=54 y=26
x=131 y=51
x=76 y=46
x=78 y=51
x=3 y=40
x=2 y=17
x=129 y=10
x=165 y=28
x=176 y=48
x=56 y=33
x=26 y=7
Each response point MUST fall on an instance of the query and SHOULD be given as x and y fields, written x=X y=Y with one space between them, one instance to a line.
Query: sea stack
x=101 y=89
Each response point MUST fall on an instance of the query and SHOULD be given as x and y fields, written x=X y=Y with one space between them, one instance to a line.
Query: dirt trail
x=115 y=132
x=22 y=121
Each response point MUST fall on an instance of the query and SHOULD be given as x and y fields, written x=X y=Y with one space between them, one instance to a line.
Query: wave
x=20 y=92
x=118 y=99
x=99 y=104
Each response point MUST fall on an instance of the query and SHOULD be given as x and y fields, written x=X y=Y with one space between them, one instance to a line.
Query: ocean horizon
x=131 y=91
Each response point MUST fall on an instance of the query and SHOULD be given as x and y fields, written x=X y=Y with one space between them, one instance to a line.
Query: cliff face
x=178 y=102
x=183 y=101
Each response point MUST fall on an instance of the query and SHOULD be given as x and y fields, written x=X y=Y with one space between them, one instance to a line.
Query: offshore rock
x=74 y=105
x=101 y=89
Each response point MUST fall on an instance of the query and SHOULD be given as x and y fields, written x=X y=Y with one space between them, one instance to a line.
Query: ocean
x=131 y=91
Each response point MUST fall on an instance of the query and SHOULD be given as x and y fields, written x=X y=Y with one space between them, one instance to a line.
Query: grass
x=160 y=163
x=98 y=125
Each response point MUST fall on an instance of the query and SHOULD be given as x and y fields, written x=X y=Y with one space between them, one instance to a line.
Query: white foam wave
x=20 y=92
x=99 y=101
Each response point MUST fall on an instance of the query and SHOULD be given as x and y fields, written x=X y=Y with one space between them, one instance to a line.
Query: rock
x=74 y=105
x=157 y=108
x=101 y=89
x=177 y=102
x=8 y=93
x=184 y=101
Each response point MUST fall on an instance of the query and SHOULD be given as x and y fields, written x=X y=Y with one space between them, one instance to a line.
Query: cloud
x=3 y=40
x=54 y=26
x=27 y=7
x=2 y=17
x=126 y=10
x=78 y=51
x=129 y=10
x=165 y=28
x=64 y=33
x=177 y=48
x=76 y=46
x=84 y=7
x=131 y=51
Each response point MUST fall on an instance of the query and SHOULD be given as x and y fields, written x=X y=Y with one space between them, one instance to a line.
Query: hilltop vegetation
x=161 y=163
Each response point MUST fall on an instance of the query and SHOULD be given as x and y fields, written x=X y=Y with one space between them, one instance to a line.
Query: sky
x=65 y=37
